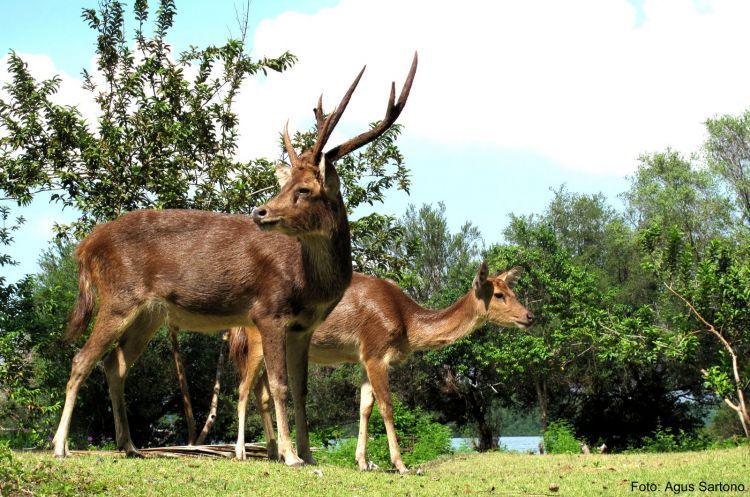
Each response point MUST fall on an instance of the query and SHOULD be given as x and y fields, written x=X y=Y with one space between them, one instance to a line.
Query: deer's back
x=201 y=263
x=370 y=320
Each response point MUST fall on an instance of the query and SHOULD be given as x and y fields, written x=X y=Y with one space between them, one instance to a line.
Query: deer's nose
x=530 y=317
x=259 y=213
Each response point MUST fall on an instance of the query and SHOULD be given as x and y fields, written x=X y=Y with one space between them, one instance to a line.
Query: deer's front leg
x=273 y=337
x=298 y=346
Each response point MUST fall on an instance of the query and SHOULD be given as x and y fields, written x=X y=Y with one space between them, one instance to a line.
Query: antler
x=326 y=128
x=293 y=157
x=318 y=111
x=391 y=114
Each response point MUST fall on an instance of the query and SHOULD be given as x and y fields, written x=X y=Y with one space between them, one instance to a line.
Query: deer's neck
x=431 y=329
x=327 y=260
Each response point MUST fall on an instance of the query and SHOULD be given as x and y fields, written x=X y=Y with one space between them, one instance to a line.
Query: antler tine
x=288 y=145
x=323 y=132
x=391 y=114
x=333 y=119
x=318 y=111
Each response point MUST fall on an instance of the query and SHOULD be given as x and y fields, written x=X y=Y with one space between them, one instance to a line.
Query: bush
x=559 y=438
x=666 y=440
x=10 y=471
x=421 y=439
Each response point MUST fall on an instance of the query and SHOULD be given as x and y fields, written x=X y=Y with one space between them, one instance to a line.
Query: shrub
x=10 y=471
x=666 y=440
x=559 y=438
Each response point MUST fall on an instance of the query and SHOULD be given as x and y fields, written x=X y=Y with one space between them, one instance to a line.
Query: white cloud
x=575 y=81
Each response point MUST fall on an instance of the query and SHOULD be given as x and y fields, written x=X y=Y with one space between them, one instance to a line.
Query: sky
x=511 y=99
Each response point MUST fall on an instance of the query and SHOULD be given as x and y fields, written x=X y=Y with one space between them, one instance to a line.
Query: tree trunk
x=541 y=395
x=487 y=439
x=211 y=419
x=182 y=380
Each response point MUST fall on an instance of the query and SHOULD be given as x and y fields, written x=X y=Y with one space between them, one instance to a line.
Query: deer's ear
x=283 y=173
x=481 y=278
x=510 y=277
x=329 y=177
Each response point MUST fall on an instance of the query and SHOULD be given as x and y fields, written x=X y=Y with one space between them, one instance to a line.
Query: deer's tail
x=238 y=349
x=80 y=317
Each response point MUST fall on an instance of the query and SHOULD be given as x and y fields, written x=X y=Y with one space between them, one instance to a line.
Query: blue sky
x=511 y=98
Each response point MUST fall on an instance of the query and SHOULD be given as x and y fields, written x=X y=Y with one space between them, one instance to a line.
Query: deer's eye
x=303 y=192
x=500 y=296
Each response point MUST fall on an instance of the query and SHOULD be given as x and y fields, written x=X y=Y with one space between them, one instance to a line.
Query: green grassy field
x=486 y=474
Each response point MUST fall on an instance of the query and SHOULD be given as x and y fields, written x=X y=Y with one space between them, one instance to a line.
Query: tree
x=669 y=190
x=730 y=388
x=716 y=291
x=594 y=356
x=160 y=140
x=580 y=223
x=728 y=153
x=436 y=256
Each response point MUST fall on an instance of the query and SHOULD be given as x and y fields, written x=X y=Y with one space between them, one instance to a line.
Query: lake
x=513 y=444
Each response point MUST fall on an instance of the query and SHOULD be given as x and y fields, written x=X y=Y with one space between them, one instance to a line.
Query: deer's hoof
x=134 y=454
x=294 y=461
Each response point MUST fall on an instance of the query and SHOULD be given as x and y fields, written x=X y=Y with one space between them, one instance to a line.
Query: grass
x=500 y=474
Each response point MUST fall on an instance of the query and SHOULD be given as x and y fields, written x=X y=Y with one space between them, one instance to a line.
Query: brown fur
x=81 y=315
x=376 y=324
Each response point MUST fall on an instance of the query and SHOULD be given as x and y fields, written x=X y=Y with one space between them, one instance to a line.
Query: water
x=513 y=444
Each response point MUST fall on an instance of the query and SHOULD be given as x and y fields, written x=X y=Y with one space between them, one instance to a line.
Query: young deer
x=376 y=324
x=283 y=271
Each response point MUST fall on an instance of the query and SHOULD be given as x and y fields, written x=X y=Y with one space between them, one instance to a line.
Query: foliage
x=160 y=139
x=665 y=440
x=723 y=424
x=559 y=438
x=714 y=285
x=439 y=260
x=332 y=398
x=457 y=380
x=671 y=191
x=728 y=152
x=27 y=405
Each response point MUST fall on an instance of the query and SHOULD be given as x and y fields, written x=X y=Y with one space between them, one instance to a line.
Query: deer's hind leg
x=107 y=328
x=265 y=405
x=377 y=373
x=297 y=363
x=366 y=402
x=250 y=371
x=129 y=348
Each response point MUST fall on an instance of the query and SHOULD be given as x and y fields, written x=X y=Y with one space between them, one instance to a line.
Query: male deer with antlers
x=283 y=271
x=376 y=324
